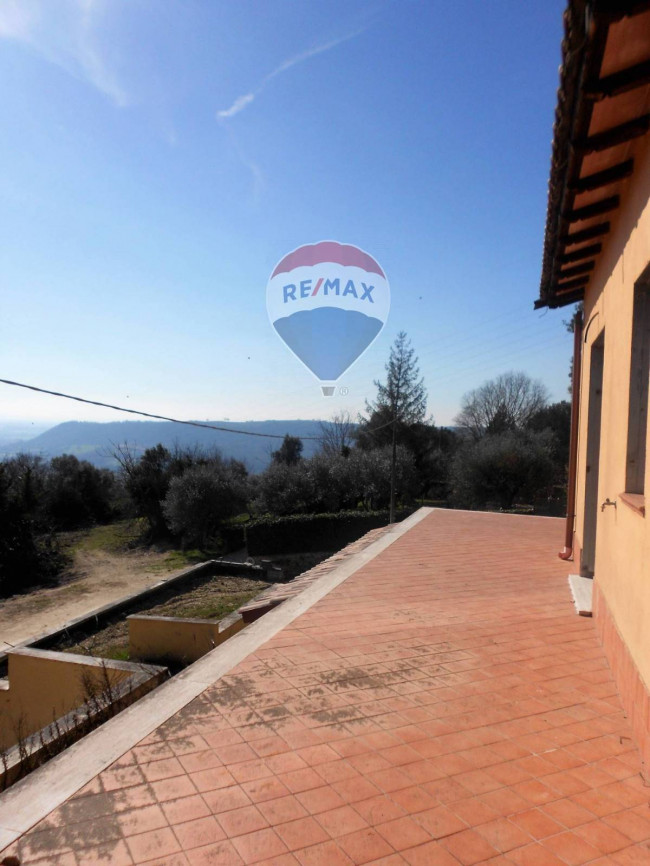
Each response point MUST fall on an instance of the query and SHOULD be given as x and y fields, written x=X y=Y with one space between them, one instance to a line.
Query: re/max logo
x=330 y=287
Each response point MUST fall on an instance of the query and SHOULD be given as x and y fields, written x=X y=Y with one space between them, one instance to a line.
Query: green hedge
x=232 y=537
x=310 y=533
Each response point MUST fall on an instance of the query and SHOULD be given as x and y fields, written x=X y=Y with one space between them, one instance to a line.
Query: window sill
x=635 y=501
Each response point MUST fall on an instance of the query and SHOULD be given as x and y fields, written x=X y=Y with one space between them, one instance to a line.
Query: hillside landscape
x=95 y=441
x=12 y=432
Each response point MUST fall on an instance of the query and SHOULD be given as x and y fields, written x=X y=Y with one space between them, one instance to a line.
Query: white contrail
x=242 y=101
x=238 y=105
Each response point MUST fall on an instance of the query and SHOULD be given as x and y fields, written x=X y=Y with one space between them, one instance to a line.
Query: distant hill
x=16 y=431
x=94 y=442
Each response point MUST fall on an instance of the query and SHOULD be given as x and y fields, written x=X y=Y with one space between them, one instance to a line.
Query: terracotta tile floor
x=443 y=706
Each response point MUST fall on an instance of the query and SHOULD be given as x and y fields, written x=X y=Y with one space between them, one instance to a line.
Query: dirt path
x=97 y=578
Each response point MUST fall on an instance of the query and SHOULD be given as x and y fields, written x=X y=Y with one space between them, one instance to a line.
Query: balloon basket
x=328 y=390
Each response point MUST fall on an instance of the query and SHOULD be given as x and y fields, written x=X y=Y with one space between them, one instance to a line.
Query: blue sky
x=161 y=156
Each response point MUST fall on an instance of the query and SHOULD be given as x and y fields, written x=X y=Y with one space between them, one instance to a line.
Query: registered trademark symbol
x=344 y=391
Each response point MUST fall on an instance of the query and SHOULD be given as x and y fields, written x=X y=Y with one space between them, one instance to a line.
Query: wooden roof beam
x=585 y=234
x=614 y=10
x=620 y=82
x=578 y=283
x=602 y=178
x=616 y=135
x=595 y=209
x=582 y=253
x=584 y=268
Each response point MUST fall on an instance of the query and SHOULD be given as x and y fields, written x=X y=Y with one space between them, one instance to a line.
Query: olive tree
x=200 y=499
x=502 y=469
x=324 y=484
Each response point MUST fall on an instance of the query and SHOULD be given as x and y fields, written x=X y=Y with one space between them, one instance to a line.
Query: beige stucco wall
x=160 y=638
x=43 y=686
x=622 y=564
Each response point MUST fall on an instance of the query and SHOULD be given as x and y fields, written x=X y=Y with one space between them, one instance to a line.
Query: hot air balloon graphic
x=328 y=302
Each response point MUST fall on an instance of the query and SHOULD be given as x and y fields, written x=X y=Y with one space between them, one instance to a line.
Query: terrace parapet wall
x=44 y=686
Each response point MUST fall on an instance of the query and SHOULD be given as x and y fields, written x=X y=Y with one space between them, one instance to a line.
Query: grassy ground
x=105 y=564
x=126 y=536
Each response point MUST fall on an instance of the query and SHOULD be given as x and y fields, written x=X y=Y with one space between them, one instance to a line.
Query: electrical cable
x=166 y=417
x=150 y=414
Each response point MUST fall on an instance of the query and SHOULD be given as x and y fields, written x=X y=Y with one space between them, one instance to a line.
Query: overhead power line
x=151 y=414
x=369 y=430
x=166 y=417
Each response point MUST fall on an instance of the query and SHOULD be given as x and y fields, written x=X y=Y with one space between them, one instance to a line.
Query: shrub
x=501 y=469
x=146 y=481
x=284 y=489
x=200 y=499
x=327 y=484
x=26 y=556
x=76 y=493
x=64 y=493
x=147 y=478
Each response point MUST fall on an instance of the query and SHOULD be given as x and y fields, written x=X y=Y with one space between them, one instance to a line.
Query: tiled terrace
x=444 y=705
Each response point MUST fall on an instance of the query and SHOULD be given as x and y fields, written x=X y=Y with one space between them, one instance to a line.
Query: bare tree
x=337 y=435
x=501 y=404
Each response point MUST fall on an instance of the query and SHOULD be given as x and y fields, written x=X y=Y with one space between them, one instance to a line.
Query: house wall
x=622 y=563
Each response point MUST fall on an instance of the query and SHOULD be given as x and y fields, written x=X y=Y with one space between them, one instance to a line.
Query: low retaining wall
x=44 y=686
x=101 y=615
x=168 y=639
